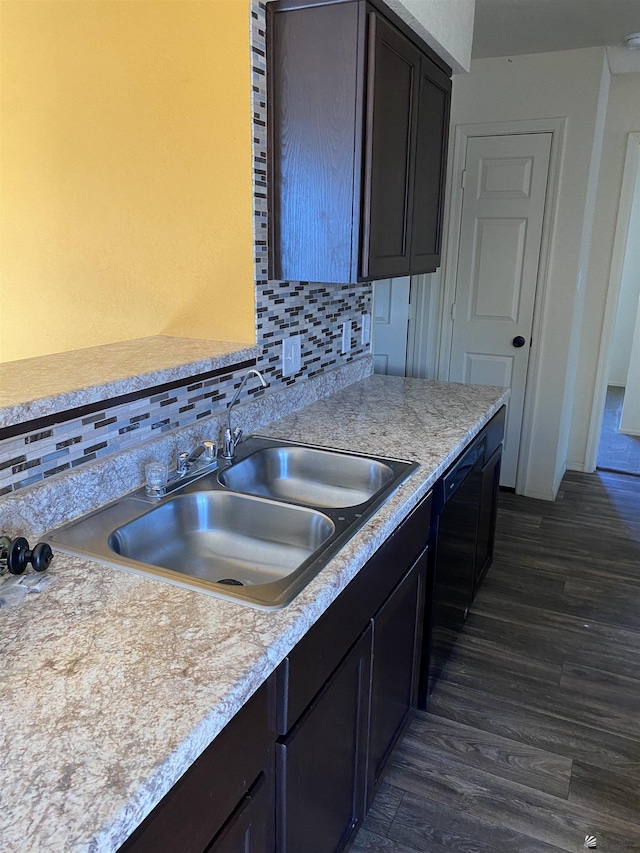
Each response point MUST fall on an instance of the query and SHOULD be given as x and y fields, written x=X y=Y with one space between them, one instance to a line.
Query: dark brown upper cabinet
x=358 y=128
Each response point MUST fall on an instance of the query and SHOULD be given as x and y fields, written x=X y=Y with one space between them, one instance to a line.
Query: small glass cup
x=156 y=474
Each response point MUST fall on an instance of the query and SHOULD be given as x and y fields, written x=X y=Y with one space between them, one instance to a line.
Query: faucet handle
x=182 y=462
x=210 y=450
x=231 y=437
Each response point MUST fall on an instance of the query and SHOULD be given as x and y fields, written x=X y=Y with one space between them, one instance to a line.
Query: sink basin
x=256 y=533
x=306 y=475
x=224 y=538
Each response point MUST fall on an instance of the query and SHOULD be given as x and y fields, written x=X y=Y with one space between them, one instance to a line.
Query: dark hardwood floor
x=531 y=740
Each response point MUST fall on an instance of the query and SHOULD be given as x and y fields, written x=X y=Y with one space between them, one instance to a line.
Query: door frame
x=463 y=132
x=621 y=236
x=424 y=325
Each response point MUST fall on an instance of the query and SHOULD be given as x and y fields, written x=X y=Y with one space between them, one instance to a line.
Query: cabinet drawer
x=202 y=800
x=303 y=672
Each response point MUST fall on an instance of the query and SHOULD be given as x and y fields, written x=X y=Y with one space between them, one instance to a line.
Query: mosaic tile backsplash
x=283 y=308
x=286 y=308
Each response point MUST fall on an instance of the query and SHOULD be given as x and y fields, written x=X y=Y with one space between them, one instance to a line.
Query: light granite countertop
x=35 y=387
x=111 y=684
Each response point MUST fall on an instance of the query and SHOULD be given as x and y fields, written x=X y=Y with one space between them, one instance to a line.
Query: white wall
x=445 y=25
x=623 y=117
x=628 y=300
x=571 y=85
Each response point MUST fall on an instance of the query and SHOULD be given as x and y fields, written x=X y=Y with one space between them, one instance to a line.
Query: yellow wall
x=125 y=195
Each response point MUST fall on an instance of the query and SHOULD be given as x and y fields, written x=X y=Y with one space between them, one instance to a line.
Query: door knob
x=518 y=341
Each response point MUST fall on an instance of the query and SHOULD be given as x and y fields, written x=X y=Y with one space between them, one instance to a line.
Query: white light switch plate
x=365 y=335
x=346 y=337
x=291 y=355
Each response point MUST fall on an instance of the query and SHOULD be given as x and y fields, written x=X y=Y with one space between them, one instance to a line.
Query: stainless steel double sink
x=255 y=531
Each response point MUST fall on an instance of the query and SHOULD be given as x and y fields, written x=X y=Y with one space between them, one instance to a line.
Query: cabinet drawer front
x=311 y=662
x=200 y=803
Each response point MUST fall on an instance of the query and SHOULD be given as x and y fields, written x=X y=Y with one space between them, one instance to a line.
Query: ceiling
x=510 y=27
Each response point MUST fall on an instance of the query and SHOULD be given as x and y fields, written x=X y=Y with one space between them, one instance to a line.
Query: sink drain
x=231 y=582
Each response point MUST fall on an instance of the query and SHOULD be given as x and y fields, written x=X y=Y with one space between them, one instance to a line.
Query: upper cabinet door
x=430 y=167
x=315 y=105
x=358 y=116
x=393 y=76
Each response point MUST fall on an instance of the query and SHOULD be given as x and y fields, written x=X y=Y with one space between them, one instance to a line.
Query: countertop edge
x=122 y=374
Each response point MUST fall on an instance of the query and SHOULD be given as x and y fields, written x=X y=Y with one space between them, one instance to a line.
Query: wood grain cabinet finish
x=493 y=435
x=397 y=634
x=487 y=516
x=224 y=803
x=462 y=539
x=250 y=827
x=342 y=714
x=322 y=761
x=358 y=128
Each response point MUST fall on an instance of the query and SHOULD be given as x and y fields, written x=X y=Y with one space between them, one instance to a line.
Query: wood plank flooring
x=617 y=451
x=531 y=740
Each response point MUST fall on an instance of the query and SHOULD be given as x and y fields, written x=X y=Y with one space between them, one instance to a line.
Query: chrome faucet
x=232 y=436
x=186 y=461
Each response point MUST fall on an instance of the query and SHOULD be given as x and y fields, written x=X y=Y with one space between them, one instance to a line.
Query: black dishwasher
x=457 y=498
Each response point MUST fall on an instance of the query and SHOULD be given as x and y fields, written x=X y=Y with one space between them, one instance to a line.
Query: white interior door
x=630 y=421
x=390 y=325
x=505 y=186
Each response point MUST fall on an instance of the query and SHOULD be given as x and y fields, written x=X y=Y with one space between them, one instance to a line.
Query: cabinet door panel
x=315 y=103
x=391 y=119
x=251 y=828
x=454 y=560
x=322 y=761
x=487 y=516
x=431 y=154
x=310 y=664
x=349 y=83
x=396 y=655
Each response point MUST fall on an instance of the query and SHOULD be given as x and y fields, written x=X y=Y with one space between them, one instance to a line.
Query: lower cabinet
x=224 y=803
x=322 y=761
x=397 y=632
x=296 y=769
x=347 y=692
x=487 y=516
x=463 y=532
